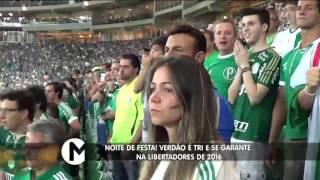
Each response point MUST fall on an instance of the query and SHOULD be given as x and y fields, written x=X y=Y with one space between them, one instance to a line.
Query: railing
x=161 y=5
x=108 y=20
x=29 y=3
x=190 y=3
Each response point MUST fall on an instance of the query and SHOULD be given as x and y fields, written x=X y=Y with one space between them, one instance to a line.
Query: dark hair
x=24 y=100
x=160 y=41
x=2 y=94
x=107 y=66
x=57 y=87
x=39 y=96
x=262 y=14
x=73 y=82
x=209 y=33
x=200 y=39
x=134 y=60
x=64 y=87
x=318 y=6
x=293 y=2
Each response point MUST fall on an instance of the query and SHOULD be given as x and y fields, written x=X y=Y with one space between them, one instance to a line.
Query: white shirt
x=284 y=41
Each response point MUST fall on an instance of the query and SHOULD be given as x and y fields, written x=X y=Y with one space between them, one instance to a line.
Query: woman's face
x=164 y=105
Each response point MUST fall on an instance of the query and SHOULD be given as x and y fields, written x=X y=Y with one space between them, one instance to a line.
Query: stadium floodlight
x=24 y=8
x=85 y=3
x=10 y=14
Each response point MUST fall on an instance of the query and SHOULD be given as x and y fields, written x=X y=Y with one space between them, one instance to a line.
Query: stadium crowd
x=256 y=82
x=27 y=64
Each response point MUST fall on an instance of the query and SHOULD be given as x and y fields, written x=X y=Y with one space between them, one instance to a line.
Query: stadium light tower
x=24 y=8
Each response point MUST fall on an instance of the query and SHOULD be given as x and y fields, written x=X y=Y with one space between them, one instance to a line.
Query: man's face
x=51 y=95
x=308 y=14
x=290 y=13
x=114 y=71
x=180 y=44
x=10 y=116
x=1 y=117
x=156 y=51
x=252 y=29
x=283 y=16
x=33 y=140
x=274 y=22
x=39 y=154
x=225 y=37
x=127 y=72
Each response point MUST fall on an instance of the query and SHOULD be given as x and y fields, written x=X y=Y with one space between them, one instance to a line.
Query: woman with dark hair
x=183 y=109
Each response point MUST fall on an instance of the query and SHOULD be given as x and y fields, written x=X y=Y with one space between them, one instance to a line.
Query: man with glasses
x=4 y=133
x=16 y=113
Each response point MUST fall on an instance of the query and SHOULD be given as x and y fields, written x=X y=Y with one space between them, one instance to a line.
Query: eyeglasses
x=5 y=110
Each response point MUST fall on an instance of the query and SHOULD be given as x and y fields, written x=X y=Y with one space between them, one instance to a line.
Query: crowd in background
x=26 y=64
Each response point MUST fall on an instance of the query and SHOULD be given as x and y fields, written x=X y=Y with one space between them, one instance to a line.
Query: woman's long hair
x=193 y=87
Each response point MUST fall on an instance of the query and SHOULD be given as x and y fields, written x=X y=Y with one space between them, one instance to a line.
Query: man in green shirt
x=54 y=91
x=110 y=107
x=16 y=113
x=223 y=68
x=44 y=140
x=253 y=91
x=295 y=95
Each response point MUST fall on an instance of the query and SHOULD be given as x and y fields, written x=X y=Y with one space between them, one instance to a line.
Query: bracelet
x=308 y=93
x=243 y=70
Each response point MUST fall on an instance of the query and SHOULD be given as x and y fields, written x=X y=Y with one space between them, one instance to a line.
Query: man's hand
x=108 y=115
x=271 y=155
x=146 y=61
x=241 y=55
x=313 y=80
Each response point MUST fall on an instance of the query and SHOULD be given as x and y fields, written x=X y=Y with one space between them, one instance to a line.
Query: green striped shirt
x=206 y=171
x=66 y=115
x=252 y=123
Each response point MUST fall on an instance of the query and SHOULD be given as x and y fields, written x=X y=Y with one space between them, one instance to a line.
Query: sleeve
x=69 y=114
x=269 y=74
x=72 y=102
x=296 y=112
x=300 y=74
